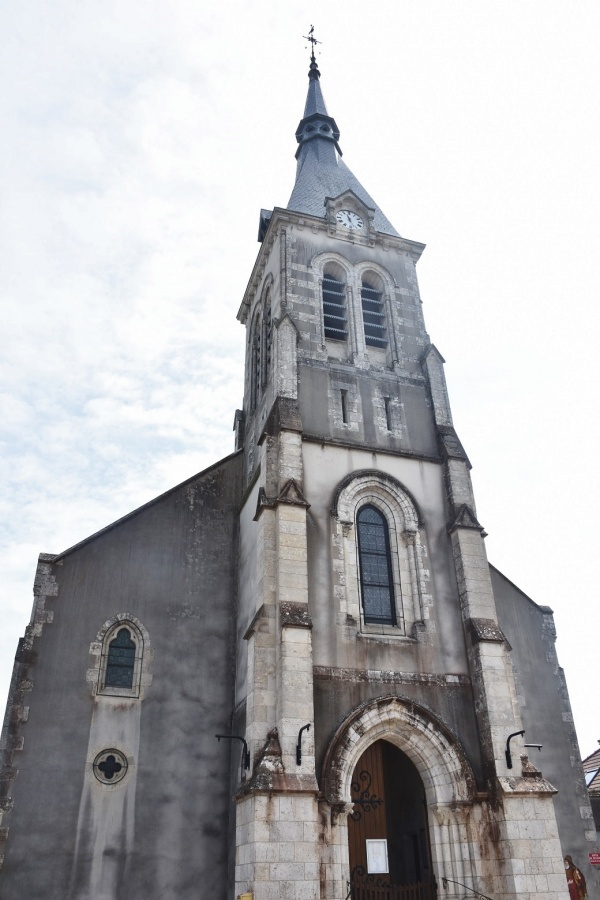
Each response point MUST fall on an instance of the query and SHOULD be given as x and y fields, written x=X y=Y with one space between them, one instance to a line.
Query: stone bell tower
x=322 y=594
x=366 y=608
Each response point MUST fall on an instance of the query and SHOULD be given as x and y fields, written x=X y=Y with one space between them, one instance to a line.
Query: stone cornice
x=369 y=448
x=287 y=217
x=390 y=677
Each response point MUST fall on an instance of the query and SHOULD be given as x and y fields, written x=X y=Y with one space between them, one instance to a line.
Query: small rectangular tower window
x=388 y=413
x=344 y=399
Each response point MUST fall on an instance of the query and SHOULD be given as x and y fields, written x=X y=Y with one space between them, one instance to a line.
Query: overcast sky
x=139 y=142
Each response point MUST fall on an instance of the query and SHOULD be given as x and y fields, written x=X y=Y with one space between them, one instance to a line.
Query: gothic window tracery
x=379 y=554
x=121 y=658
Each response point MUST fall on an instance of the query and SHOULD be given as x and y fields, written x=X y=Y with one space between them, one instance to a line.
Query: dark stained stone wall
x=338 y=693
x=172 y=565
x=547 y=716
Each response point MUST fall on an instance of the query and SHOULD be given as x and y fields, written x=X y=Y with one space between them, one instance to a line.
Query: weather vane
x=311 y=37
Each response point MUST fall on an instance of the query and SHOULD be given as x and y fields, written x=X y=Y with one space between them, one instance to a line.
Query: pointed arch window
x=376 y=578
x=383 y=581
x=121 y=660
x=334 y=308
x=373 y=314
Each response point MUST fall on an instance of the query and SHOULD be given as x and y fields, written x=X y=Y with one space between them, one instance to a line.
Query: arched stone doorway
x=443 y=770
x=388 y=835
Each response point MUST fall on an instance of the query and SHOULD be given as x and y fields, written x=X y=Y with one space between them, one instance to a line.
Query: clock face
x=349 y=219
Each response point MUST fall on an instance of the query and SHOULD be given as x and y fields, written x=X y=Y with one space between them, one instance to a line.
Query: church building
x=296 y=675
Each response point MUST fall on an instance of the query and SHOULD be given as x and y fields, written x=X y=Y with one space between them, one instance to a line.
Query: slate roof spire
x=314 y=100
x=320 y=172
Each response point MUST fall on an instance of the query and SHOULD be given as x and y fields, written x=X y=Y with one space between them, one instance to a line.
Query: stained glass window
x=375 y=567
x=121 y=660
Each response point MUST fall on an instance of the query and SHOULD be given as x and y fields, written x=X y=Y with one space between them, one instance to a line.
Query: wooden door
x=389 y=804
x=369 y=819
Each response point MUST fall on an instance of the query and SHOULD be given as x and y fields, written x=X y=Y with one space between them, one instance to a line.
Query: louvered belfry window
x=267 y=342
x=255 y=363
x=334 y=309
x=375 y=567
x=373 y=316
x=121 y=660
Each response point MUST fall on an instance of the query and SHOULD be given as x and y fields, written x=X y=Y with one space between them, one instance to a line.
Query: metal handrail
x=447 y=881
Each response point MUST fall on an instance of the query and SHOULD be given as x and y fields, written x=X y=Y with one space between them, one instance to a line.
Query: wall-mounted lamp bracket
x=507 y=751
x=245 y=751
x=299 y=744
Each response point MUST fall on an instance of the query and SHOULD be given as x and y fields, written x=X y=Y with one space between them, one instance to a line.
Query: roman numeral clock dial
x=349 y=219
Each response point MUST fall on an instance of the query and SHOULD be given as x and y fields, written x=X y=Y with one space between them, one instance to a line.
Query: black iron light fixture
x=299 y=744
x=507 y=751
x=245 y=751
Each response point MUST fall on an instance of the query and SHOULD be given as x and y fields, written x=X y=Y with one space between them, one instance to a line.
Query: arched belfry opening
x=388 y=835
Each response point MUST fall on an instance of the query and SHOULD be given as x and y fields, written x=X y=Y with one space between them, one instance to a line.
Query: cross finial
x=311 y=37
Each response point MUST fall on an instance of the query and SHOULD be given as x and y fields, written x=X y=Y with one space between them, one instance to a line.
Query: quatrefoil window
x=110 y=766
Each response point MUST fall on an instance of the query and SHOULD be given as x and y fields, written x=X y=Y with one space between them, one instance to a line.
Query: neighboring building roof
x=321 y=172
x=591 y=768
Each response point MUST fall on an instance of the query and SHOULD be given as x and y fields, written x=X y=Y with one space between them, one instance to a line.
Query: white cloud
x=140 y=141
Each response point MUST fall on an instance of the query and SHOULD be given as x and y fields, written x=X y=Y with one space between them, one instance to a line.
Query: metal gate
x=379 y=891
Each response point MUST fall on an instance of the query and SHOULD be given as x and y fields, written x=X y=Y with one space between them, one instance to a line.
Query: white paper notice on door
x=377 y=857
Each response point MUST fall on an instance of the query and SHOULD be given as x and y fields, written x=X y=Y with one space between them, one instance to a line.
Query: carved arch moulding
x=438 y=756
x=450 y=787
x=408 y=552
x=143 y=655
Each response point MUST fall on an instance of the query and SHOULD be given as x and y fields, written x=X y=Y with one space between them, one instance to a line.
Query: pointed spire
x=314 y=100
x=316 y=124
x=320 y=171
